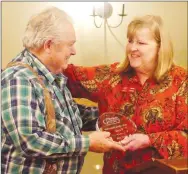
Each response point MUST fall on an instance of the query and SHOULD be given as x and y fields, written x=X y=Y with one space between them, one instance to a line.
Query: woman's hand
x=135 y=141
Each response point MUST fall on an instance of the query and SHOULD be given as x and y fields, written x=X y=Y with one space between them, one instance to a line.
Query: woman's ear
x=48 y=46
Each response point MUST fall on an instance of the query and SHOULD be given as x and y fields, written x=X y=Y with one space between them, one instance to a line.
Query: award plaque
x=117 y=124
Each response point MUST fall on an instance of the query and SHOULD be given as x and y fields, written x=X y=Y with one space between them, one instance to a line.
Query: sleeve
x=88 y=82
x=24 y=124
x=174 y=144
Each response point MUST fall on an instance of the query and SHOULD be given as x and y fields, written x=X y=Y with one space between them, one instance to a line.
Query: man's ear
x=48 y=46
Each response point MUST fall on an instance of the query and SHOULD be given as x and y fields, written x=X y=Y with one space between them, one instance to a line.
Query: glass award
x=117 y=124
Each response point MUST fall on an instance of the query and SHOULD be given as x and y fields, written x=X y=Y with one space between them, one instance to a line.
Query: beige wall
x=90 y=40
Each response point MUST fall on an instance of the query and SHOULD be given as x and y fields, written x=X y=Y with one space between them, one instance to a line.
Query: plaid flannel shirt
x=25 y=143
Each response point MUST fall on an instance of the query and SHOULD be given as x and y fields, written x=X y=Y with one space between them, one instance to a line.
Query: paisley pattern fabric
x=159 y=109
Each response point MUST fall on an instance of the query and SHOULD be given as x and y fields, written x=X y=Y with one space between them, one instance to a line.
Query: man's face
x=61 y=52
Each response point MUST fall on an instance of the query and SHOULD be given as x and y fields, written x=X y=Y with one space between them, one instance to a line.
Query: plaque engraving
x=117 y=124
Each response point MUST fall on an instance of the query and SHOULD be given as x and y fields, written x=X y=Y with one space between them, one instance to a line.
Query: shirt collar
x=59 y=79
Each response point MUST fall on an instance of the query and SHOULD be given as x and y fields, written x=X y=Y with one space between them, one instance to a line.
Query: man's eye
x=142 y=43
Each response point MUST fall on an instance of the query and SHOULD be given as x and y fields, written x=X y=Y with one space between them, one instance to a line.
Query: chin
x=134 y=65
x=64 y=67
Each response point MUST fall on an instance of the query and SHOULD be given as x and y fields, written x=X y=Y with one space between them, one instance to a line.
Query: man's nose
x=73 y=52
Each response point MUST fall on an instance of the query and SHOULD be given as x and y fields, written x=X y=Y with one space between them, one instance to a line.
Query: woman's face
x=142 y=51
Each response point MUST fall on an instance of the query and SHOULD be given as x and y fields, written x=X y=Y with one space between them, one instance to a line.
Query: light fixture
x=105 y=12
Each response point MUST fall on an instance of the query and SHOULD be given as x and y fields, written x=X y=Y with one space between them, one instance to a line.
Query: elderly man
x=41 y=125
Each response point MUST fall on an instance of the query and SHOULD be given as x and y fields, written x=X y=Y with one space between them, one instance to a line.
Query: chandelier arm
x=96 y=24
x=115 y=37
x=117 y=25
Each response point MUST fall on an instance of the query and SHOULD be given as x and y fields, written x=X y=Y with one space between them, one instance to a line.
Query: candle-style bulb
x=123 y=10
x=93 y=10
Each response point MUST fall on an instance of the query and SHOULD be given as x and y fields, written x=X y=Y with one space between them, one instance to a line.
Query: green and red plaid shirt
x=25 y=142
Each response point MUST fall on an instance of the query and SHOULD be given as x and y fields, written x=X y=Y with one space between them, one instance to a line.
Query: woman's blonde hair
x=46 y=25
x=165 y=54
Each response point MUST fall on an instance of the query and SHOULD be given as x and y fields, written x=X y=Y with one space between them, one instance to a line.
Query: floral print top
x=158 y=109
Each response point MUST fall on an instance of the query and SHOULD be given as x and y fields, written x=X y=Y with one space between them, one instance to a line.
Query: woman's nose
x=134 y=46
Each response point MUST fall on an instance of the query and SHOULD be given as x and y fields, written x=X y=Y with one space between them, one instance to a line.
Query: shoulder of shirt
x=179 y=72
x=17 y=72
x=113 y=66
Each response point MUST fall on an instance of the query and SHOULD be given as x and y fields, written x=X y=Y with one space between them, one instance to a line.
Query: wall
x=90 y=40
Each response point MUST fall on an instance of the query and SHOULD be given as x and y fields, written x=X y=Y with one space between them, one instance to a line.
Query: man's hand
x=101 y=142
x=135 y=141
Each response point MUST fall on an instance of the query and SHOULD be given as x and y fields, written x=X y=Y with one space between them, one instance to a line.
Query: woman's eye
x=142 y=43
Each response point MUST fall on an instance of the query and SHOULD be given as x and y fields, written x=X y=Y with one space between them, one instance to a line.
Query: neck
x=143 y=76
x=44 y=58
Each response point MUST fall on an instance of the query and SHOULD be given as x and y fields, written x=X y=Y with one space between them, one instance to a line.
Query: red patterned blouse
x=158 y=109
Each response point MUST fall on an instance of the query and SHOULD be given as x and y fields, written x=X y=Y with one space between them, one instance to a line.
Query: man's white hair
x=46 y=25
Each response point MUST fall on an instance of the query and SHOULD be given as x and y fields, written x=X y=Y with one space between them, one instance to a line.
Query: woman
x=146 y=87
